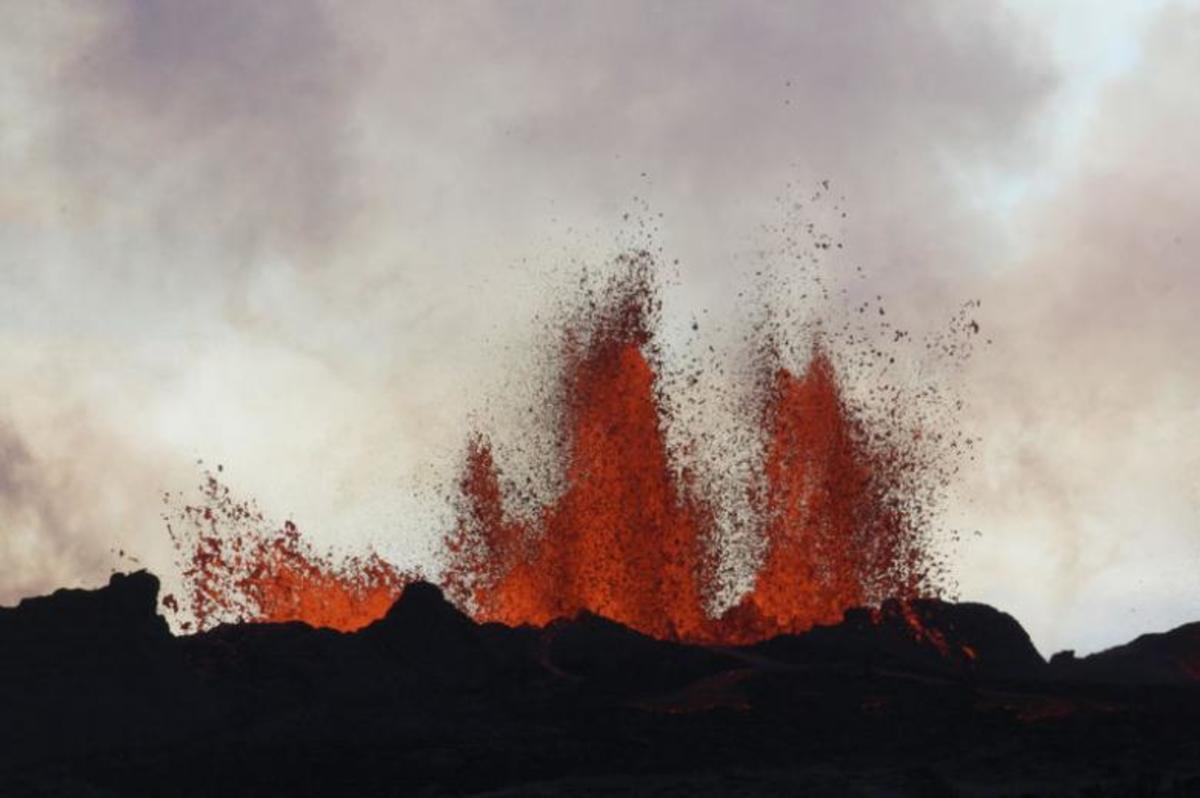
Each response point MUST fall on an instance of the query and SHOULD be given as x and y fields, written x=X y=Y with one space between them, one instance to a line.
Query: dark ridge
x=114 y=629
x=924 y=635
x=913 y=698
x=611 y=657
x=1163 y=658
x=126 y=607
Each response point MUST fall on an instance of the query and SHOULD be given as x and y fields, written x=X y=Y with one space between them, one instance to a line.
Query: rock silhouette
x=911 y=698
x=1168 y=658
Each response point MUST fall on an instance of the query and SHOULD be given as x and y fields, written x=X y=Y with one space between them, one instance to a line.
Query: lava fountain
x=630 y=540
x=624 y=539
x=239 y=569
x=629 y=536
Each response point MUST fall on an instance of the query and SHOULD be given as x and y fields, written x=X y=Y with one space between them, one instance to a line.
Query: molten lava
x=239 y=571
x=628 y=536
x=629 y=541
x=834 y=536
x=624 y=540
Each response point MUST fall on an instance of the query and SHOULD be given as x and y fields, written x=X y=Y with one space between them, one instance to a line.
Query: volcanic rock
x=912 y=698
x=426 y=633
x=72 y=628
x=611 y=657
x=1165 y=658
x=925 y=635
x=81 y=668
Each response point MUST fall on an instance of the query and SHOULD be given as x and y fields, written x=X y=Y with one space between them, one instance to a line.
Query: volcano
x=589 y=640
x=920 y=697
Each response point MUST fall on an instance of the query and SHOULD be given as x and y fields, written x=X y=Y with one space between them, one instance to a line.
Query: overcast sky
x=308 y=241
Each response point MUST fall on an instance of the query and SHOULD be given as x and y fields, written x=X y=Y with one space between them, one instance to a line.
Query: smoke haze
x=310 y=240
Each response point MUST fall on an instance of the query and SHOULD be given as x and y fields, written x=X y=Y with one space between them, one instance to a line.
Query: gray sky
x=308 y=241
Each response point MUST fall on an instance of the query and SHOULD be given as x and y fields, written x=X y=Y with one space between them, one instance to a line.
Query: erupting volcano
x=630 y=536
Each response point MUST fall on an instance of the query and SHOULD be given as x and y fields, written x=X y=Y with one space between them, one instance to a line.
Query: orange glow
x=629 y=536
x=237 y=572
x=624 y=540
x=629 y=541
x=833 y=541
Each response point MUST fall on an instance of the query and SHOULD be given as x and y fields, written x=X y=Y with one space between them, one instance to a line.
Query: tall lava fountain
x=630 y=535
x=633 y=539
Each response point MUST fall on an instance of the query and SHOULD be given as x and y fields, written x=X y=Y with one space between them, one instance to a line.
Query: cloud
x=46 y=509
x=309 y=239
x=209 y=119
x=1088 y=400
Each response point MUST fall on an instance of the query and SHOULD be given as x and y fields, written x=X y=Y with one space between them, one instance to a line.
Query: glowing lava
x=624 y=540
x=835 y=537
x=629 y=541
x=629 y=536
x=240 y=571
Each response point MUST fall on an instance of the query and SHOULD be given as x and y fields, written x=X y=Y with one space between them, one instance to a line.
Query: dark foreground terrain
x=97 y=698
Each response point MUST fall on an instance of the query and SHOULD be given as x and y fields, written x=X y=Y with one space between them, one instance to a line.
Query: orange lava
x=624 y=540
x=833 y=538
x=629 y=541
x=237 y=572
x=628 y=537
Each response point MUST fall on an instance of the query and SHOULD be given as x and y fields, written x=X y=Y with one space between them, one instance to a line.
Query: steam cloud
x=308 y=242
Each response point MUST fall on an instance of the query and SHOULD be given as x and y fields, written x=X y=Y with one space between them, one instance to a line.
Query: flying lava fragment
x=630 y=536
